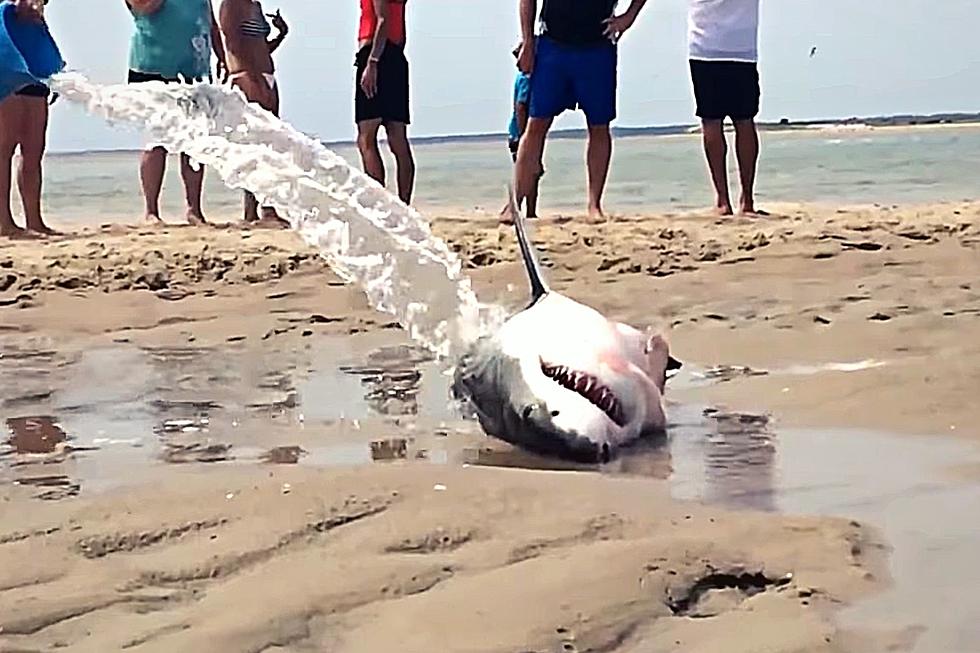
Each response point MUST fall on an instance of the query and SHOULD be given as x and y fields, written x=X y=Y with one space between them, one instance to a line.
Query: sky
x=873 y=57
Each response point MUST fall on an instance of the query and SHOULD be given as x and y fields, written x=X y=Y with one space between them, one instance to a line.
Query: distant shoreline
x=783 y=125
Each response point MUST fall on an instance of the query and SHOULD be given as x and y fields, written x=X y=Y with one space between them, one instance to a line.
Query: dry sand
x=378 y=558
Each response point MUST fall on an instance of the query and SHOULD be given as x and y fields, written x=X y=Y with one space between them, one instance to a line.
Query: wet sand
x=214 y=444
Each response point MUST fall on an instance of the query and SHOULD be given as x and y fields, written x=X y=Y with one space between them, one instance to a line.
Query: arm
x=525 y=61
x=369 y=80
x=217 y=44
x=29 y=11
x=280 y=24
x=144 y=7
x=528 y=10
x=380 y=31
x=616 y=26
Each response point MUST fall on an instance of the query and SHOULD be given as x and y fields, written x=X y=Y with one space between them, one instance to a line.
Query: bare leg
x=153 y=164
x=367 y=143
x=404 y=161
x=257 y=91
x=716 y=151
x=529 y=156
x=193 y=188
x=532 y=199
x=10 y=126
x=270 y=217
x=747 y=152
x=32 y=144
x=597 y=158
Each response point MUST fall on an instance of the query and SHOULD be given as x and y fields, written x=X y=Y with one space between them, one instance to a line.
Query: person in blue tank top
x=172 y=43
x=24 y=124
x=572 y=62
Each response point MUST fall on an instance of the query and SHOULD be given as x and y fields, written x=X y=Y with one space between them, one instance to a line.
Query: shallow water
x=83 y=422
x=649 y=173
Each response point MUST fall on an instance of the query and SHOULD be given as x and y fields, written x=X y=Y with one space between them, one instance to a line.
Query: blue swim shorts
x=568 y=75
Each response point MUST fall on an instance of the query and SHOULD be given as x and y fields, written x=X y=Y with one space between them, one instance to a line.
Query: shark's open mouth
x=587 y=386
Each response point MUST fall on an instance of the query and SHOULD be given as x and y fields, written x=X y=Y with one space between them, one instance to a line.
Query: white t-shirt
x=723 y=30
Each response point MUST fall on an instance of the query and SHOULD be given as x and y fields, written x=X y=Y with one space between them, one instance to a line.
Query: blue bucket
x=28 y=54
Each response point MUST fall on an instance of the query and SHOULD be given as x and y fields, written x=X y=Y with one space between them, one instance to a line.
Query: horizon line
x=783 y=124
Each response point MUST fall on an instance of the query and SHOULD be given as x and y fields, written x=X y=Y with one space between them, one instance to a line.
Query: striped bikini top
x=256 y=27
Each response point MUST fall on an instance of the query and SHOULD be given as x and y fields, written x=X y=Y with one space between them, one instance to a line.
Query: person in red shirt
x=381 y=91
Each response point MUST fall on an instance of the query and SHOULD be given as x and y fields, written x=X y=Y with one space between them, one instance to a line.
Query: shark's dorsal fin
x=539 y=288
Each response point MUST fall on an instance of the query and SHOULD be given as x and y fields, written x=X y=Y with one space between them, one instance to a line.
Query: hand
x=369 y=80
x=279 y=22
x=29 y=10
x=221 y=71
x=616 y=26
x=525 y=60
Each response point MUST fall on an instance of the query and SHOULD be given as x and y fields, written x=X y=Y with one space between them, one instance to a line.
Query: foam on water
x=365 y=233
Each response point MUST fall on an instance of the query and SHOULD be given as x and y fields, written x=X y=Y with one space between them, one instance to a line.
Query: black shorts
x=136 y=77
x=390 y=103
x=726 y=89
x=34 y=90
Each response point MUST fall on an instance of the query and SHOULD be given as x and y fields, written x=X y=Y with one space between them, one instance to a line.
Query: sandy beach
x=817 y=317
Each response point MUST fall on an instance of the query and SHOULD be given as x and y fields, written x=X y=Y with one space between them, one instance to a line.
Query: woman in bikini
x=249 y=49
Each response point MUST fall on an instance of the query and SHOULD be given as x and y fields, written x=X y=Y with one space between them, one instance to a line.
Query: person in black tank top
x=576 y=22
x=572 y=65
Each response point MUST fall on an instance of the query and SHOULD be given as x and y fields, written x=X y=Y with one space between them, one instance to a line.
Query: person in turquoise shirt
x=172 y=43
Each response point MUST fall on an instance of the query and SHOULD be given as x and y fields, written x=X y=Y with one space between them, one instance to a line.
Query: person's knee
x=367 y=143
x=156 y=155
x=601 y=132
x=31 y=153
x=712 y=126
x=744 y=126
x=399 y=145
x=536 y=129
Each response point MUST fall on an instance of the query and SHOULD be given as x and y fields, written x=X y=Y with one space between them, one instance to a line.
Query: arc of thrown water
x=366 y=234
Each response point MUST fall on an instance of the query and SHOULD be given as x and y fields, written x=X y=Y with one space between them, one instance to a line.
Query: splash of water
x=366 y=234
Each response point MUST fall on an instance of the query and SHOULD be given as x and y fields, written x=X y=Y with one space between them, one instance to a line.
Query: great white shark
x=558 y=378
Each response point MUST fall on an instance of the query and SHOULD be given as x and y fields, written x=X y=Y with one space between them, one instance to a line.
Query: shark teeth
x=588 y=386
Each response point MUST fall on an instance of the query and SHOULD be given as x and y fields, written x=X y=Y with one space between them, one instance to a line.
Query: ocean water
x=649 y=173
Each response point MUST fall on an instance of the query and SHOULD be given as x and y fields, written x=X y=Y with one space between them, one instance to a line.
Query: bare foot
x=724 y=209
x=196 y=219
x=268 y=222
x=596 y=216
x=13 y=232
x=154 y=220
x=43 y=230
x=746 y=207
x=752 y=212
